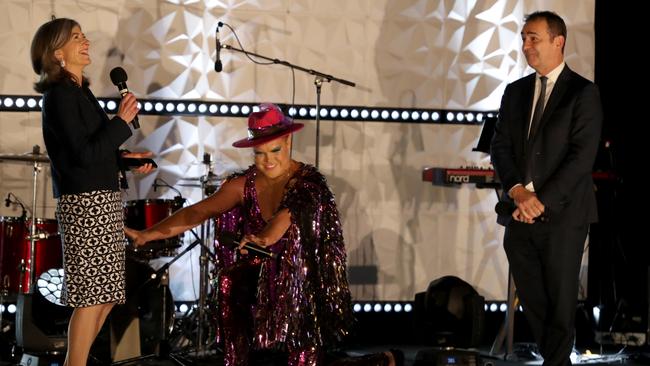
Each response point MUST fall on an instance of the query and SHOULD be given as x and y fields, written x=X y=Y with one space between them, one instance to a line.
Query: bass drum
x=150 y=301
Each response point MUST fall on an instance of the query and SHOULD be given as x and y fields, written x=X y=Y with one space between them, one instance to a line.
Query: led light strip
x=163 y=107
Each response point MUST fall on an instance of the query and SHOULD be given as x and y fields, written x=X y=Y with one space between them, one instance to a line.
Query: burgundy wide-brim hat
x=266 y=125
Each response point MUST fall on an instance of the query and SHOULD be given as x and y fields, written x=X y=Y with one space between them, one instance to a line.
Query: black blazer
x=562 y=152
x=81 y=141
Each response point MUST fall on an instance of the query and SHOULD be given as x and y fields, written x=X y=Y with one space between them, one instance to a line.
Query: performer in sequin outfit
x=299 y=303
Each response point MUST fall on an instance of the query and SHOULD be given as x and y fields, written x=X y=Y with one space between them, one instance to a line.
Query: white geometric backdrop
x=407 y=53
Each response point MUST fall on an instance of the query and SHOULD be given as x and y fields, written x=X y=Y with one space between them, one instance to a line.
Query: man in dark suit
x=543 y=151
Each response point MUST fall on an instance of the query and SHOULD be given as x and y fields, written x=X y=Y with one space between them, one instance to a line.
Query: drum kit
x=31 y=246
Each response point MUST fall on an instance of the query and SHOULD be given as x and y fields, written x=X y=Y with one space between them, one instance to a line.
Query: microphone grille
x=118 y=75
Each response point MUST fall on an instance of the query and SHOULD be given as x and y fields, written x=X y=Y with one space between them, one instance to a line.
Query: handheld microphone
x=218 y=66
x=118 y=77
x=8 y=200
x=232 y=240
x=503 y=208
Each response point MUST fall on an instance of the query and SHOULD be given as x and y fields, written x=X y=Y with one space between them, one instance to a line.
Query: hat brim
x=252 y=142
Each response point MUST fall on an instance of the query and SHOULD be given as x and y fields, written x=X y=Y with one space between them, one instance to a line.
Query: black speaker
x=449 y=313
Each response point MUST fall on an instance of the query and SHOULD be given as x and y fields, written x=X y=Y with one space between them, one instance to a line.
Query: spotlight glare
x=425 y=116
x=11 y=308
x=183 y=308
x=101 y=104
x=398 y=308
x=323 y=112
x=384 y=114
x=374 y=114
x=202 y=108
x=9 y=102
x=356 y=308
x=169 y=107
x=40 y=103
x=312 y=112
x=479 y=117
x=415 y=115
x=302 y=112
x=223 y=109
x=213 y=108
x=503 y=307
x=394 y=115
x=256 y=108
x=180 y=107
x=191 y=107
x=2 y=308
x=596 y=312
x=493 y=307
x=388 y=308
x=435 y=116
x=246 y=110
x=158 y=107
x=148 y=106
x=111 y=105
x=364 y=114
x=234 y=109
x=367 y=308
x=344 y=113
x=377 y=308
x=408 y=308
x=460 y=117
x=354 y=113
x=405 y=115
x=470 y=117
x=31 y=102
x=292 y=111
x=334 y=112
x=20 y=102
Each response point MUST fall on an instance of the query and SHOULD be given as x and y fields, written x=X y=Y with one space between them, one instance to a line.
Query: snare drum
x=15 y=251
x=143 y=214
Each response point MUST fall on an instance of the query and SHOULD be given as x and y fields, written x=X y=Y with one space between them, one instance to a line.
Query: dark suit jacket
x=562 y=152
x=81 y=141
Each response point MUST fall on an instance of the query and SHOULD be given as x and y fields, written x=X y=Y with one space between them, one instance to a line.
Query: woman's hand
x=143 y=169
x=128 y=108
x=137 y=237
x=250 y=238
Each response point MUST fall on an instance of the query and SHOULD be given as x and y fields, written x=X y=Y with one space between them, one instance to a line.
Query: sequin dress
x=303 y=300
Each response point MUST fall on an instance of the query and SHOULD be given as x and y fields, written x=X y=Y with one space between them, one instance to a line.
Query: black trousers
x=545 y=263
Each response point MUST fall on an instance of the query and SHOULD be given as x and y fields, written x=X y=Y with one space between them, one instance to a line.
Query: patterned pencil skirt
x=91 y=226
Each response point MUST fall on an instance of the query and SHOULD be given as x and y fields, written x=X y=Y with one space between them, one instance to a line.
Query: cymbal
x=25 y=158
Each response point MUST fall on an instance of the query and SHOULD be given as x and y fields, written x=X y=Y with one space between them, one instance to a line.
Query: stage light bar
x=163 y=107
x=382 y=306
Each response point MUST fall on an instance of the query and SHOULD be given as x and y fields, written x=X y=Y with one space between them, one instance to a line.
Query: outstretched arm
x=229 y=195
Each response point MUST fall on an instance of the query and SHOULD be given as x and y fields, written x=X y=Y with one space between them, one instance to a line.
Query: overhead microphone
x=218 y=66
x=118 y=77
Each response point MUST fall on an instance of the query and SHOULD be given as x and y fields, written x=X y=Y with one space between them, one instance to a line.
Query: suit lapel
x=526 y=111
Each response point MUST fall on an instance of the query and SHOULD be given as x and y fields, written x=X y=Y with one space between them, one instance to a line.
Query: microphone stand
x=320 y=77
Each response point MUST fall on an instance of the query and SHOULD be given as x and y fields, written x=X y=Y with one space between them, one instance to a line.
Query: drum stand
x=201 y=320
x=32 y=229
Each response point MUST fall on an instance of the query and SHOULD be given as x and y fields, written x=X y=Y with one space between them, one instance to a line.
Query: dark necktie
x=539 y=109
